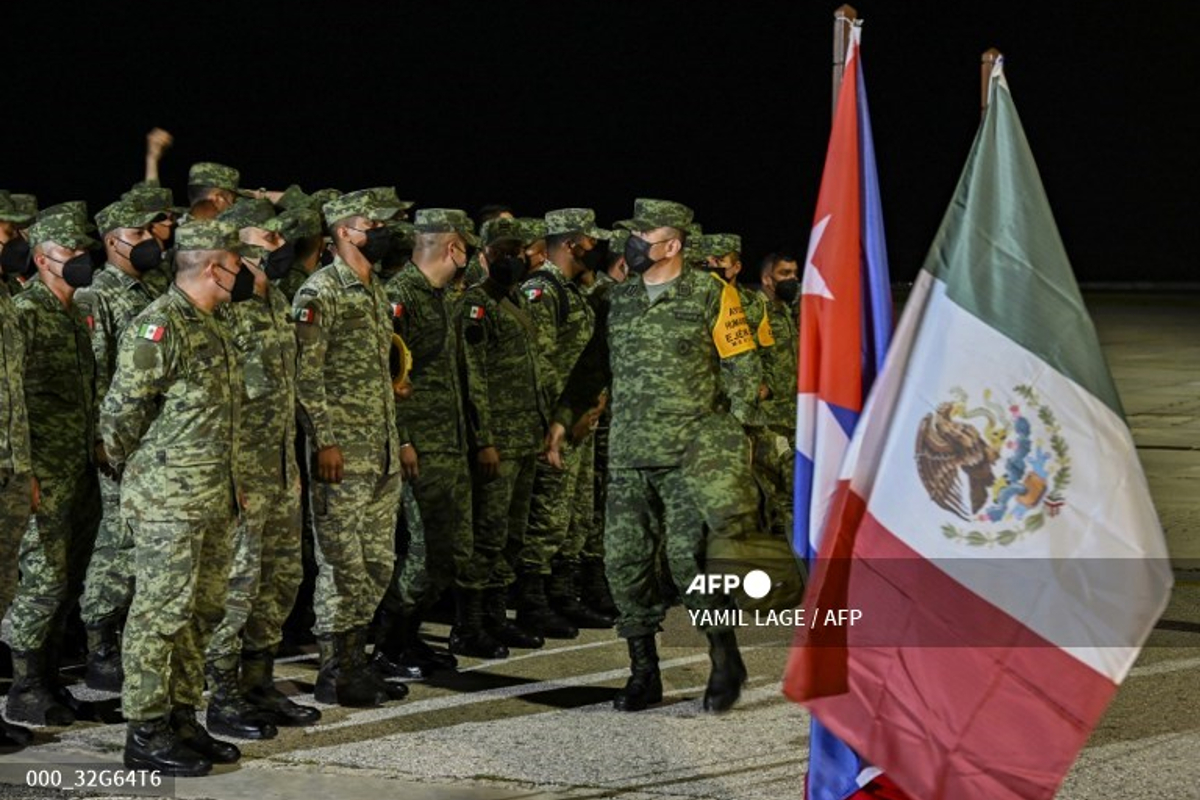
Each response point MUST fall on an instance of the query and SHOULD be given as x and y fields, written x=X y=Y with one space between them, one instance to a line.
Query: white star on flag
x=814 y=282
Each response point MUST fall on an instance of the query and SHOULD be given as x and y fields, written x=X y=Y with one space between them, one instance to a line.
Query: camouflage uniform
x=678 y=458
x=344 y=391
x=156 y=200
x=110 y=304
x=169 y=421
x=774 y=453
x=565 y=321
x=433 y=421
x=16 y=464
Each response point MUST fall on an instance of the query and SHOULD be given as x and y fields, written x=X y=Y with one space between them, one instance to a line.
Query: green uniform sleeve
x=543 y=309
x=401 y=324
x=590 y=376
x=146 y=366
x=477 y=334
x=313 y=317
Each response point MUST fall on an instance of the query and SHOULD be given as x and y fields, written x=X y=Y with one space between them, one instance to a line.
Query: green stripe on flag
x=1000 y=255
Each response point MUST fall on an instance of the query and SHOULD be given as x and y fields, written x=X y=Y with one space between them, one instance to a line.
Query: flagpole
x=843 y=22
x=987 y=63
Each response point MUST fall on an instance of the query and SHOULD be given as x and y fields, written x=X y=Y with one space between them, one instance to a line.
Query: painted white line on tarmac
x=1165 y=667
x=541 y=653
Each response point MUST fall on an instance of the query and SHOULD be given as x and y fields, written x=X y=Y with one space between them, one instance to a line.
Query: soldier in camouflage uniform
x=60 y=375
x=347 y=408
x=168 y=422
x=433 y=438
x=214 y=184
x=161 y=202
x=300 y=228
x=565 y=320
x=15 y=216
x=17 y=483
x=775 y=453
x=509 y=420
x=684 y=378
x=266 y=570
x=118 y=293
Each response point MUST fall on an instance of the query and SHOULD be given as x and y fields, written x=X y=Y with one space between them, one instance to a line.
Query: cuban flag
x=845 y=326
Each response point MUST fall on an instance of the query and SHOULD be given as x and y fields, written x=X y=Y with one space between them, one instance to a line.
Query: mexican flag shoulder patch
x=151 y=332
x=306 y=315
x=476 y=311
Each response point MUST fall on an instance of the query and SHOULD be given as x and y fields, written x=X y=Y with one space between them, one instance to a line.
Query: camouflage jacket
x=670 y=383
x=264 y=342
x=503 y=376
x=159 y=279
x=433 y=419
x=565 y=322
x=290 y=284
x=171 y=412
x=60 y=381
x=343 y=383
x=109 y=305
x=14 y=422
x=778 y=411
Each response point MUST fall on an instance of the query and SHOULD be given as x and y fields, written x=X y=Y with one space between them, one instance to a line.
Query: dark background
x=724 y=106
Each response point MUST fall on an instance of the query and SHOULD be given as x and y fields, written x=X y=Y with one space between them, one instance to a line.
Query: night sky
x=724 y=106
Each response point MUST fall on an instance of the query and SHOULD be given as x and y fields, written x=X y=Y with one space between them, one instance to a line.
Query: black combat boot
x=534 y=613
x=561 y=596
x=104 y=670
x=384 y=690
x=341 y=679
x=258 y=687
x=593 y=587
x=418 y=654
x=502 y=629
x=13 y=735
x=32 y=696
x=644 y=687
x=390 y=641
x=153 y=744
x=229 y=713
x=468 y=637
x=728 y=672
x=192 y=734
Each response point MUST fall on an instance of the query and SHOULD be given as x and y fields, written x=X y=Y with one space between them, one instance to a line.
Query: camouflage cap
x=26 y=204
x=247 y=213
x=76 y=209
x=574 y=220
x=616 y=242
x=650 y=214
x=446 y=220
x=153 y=198
x=500 y=229
x=295 y=197
x=721 y=244
x=296 y=223
x=694 y=229
x=219 y=176
x=11 y=212
x=532 y=229
x=61 y=228
x=403 y=232
x=362 y=203
x=322 y=196
x=208 y=234
x=123 y=214
x=386 y=195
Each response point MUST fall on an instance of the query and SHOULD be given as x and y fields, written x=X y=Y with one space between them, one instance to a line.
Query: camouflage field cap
x=532 y=229
x=446 y=220
x=218 y=176
x=208 y=234
x=403 y=233
x=153 y=198
x=295 y=197
x=362 y=203
x=694 y=229
x=501 y=229
x=722 y=244
x=616 y=242
x=26 y=204
x=248 y=213
x=296 y=223
x=386 y=195
x=123 y=214
x=574 y=220
x=322 y=196
x=63 y=229
x=11 y=212
x=650 y=214
x=75 y=209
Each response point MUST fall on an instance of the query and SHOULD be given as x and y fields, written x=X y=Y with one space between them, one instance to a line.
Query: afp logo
x=755 y=583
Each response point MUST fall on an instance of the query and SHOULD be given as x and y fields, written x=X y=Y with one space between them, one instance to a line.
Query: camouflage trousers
x=181 y=573
x=355 y=530
x=265 y=571
x=583 y=538
x=593 y=546
x=552 y=509
x=53 y=557
x=501 y=513
x=675 y=510
x=14 y=517
x=108 y=587
x=441 y=541
x=774 y=470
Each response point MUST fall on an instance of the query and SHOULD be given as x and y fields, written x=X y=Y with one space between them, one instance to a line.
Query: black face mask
x=243 y=284
x=77 y=271
x=14 y=258
x=594 y=259
x=279 y=261
x=507 y=271
x=144 y=256
x=787 y=291
x=326 y=257
x=379 y=240
x=637 y=255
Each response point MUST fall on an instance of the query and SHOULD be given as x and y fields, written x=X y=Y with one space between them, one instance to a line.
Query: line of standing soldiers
x=148 y=420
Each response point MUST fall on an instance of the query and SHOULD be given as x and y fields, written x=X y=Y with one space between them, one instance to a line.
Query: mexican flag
x=992 y=522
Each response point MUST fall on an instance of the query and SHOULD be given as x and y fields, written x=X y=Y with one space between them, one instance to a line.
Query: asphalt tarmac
x=540 y=724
